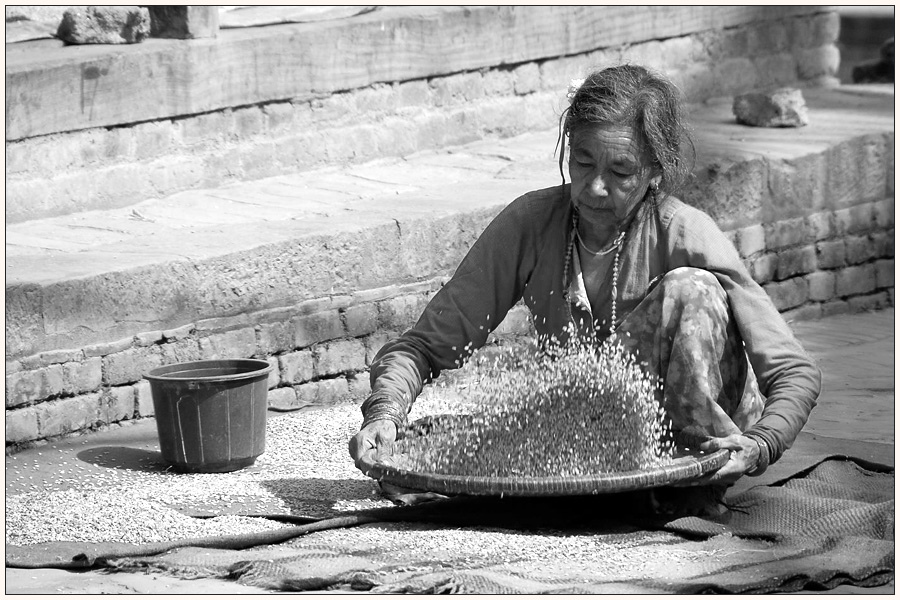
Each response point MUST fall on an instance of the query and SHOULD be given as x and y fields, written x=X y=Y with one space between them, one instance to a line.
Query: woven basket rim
x=685 y=467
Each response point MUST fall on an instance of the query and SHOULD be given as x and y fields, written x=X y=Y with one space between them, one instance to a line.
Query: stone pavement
x=855 y=352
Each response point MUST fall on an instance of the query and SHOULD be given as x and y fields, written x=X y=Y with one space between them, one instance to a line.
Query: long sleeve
x=787 y=376
x=457 y=321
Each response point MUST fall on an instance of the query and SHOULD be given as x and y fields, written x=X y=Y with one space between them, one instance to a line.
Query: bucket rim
x=263 y=369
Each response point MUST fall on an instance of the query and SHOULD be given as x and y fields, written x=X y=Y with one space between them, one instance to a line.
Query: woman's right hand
x=375 y=440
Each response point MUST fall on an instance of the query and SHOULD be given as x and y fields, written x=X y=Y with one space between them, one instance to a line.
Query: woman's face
x=608 y=171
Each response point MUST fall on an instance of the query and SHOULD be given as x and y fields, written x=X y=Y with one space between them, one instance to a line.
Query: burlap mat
x=829 y=524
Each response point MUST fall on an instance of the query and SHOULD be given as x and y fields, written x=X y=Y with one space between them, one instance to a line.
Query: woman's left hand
x=744 y=457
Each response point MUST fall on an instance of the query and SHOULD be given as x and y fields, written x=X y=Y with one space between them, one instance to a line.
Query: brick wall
x=122 y=165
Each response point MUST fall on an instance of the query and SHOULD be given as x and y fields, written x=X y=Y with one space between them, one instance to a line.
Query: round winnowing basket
x=684 y=467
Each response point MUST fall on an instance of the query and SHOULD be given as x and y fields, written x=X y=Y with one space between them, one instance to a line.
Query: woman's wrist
x=380 y=407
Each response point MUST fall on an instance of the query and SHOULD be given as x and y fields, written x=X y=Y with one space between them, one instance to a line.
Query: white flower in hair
x=574 y=84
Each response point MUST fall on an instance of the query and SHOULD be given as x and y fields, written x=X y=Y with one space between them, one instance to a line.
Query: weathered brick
x=130 y=366
x=340 y=357
x=377 y=98
x=821 y=286
x=13 y=366
x=21 y=425
x=868 y=302
x=776 y=69
x=797 y=183
x=278 y=117
x=819 y=225
x=30 y=386
x=855 y=219
x=458 y=88
x=118 y=144
x=117 y=404
x=763 y=268
x=359 y=386
x=414 y=93
x=884 y=243
x=527 y=78
x=324 y=392
x=53 y=357
x=853 y=281
x=59 y=417
x=143 y=399
x=83 y=376
x=238 y=343
x=152 y=139
x=735 y=75
x=275 y=337
x=676 y=52
x=796 y=261
x=283 y=398
x=751 y=240
x=399 y=313
x=789 y=293
x=374 y=343
x=185 y=350
x=259 y=160
x=317 y=327
x=857 y=170
x=831 y=254
x=148 y=338
x=31 y=362
x=179 y=333
x=274 y=379
x=108 y=347
x=297 y=367
x=789 y=232
x=247 y=122
x=768 y=37
x=884 y=213
x=835 y=307
x=498 y=82
x=204 y=130
x=859 y=249
x=816 y=62
x=361 y=319
x=884 y=273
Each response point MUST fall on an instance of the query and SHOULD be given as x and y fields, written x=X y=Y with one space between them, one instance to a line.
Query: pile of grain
x=577 y=411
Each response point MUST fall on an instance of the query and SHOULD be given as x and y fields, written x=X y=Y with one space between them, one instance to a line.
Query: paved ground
x=856 y=353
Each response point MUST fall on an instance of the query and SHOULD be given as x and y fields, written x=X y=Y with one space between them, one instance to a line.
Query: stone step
x=94 y=277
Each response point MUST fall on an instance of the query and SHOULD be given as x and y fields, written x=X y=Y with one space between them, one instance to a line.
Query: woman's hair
x=634 y=96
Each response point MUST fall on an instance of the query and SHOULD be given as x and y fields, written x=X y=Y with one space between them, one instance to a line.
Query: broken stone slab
x=184 y=22
x=104 y=25
x=784 y=107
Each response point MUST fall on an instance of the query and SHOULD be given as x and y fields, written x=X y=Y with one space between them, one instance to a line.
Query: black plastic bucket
x=211 y=414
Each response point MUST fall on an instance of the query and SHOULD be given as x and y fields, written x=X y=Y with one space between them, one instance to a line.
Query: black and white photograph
x=450 y=299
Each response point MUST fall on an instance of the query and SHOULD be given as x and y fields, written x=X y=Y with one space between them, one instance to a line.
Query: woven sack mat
x=828 y=525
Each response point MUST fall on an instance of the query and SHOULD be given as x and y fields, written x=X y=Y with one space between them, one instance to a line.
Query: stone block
x=807 y=312
x=297 y=367
x=323 y=393
x=735 y=76
x=401 y=312
x=797 y=183
x=104 y=25
x=25 y=387
x=457 y=89
x=278 y=117
x=821 y=286
x=884 y=273
x=751 y=240
x=784 y=107
x=776 y=69
x=527 y=78
x=359 y=386
x=854 y=220
x=130 y=366
x=854 y=281
x=184 y=22
x=889 y=164
x=830 y=254
x=499 y=82
x=859 y=249
x=83 y=376
x=819 y=225
x=283 y=399
x=787 y=294
x=21 y=425
x=317 y=327
x=274 y=379
x=237 y=343
x=414 y=93
x=857 y=171
x=117 y=404
x=868 y=302
x=884 y=243
x=763 y=268
x=148 y=338
x=374 y=343
x=247 y=122
x=835 y=307
x=818 y=62
x=68 y=415
x=179 y=333
x=768 y=37
x=143 y=399
x=884 y=213
x=796 y=261
x=361 y=319
x=204 y=131
x=810 y=31
x=730 y=192
x=153 y=139
x=275 y=338
x=186 y=350
x=259 y=160
x=338 y=357
x=785 y=233
x=52 y=357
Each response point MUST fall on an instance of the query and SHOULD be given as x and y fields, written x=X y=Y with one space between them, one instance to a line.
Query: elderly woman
x=615 y=252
